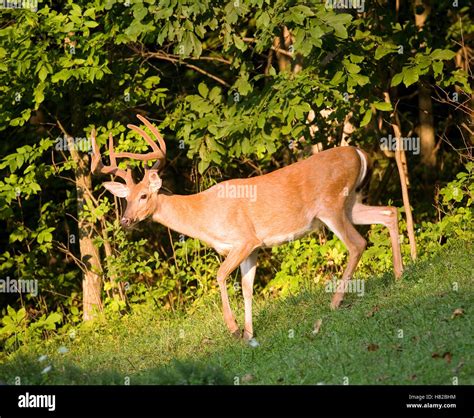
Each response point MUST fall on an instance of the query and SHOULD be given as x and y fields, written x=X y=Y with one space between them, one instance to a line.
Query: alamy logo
x=37 y=401
x=411 y=144
x=237 y=191
x=346 y=4
x=19 y=286
x=351 y=286
x=19 y=4
x=78 y=143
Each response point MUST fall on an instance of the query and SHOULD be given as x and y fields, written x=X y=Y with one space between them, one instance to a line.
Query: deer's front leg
x=233 y=259
x=248 y=268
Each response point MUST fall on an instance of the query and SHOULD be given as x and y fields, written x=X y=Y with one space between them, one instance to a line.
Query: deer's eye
x=143 y=196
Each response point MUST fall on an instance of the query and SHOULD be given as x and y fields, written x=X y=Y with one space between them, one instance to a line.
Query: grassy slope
x=360 y=341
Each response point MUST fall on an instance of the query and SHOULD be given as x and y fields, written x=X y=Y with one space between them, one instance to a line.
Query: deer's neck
x=178 y=213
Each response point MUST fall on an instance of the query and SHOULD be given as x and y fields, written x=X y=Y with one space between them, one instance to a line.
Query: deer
x=240 y=216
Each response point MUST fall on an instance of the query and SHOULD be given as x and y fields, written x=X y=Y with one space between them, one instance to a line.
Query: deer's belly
x=275 y=236
x=278 y=238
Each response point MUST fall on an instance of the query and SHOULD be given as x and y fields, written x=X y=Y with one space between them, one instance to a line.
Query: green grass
x=399 y=332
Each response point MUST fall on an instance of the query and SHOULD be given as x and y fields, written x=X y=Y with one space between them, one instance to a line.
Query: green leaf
x=356 y=59
x=150 y=82
x=196 y=44
x=367 y=118
x=203 y=90
x=337 y=78
x=139 y=11
x=243 y=86
x=383 y=50
x=18 y=234
x=215 y=94
x=39 y=94
x=442 y=54
x=62 y=75
x=45 y=235
x=351 y=68
x=76 y=10
x=187 y=44
x=43 y=72
x=76 y=19
x=91 y=24
x=316 y=35
x=396 y=79
x=202 y=166
x=410 y=76
x=52 y=319
x=263 y=20
x=239 y=43
x=305 y=10
x=438 y=67
x=360 y=79
x=385 y=106
x=90 y=12
x=340 y=31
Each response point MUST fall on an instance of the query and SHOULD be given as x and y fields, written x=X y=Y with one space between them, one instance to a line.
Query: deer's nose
x=126 y=222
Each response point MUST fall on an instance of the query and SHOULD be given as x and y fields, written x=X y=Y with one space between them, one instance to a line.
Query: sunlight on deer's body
x=280 y=206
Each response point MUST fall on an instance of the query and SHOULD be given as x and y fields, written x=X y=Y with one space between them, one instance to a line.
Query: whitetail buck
x=237 y=217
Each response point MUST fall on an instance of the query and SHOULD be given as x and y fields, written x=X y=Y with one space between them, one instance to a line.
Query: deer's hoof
x=253 y=343
x=237 y=334
x=247 y=335
x=337 y=300
x=335 y=304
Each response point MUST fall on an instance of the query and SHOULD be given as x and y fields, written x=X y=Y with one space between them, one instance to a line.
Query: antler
x=98 y=165
x=159 y=153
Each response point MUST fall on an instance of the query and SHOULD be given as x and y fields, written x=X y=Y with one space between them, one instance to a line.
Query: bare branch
x=176 y=60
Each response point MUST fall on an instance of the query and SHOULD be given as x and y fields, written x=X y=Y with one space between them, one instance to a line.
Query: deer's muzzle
x=126 y=222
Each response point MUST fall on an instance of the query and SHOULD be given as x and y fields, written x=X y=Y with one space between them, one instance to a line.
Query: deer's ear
x=116 y=188
x=155 y=182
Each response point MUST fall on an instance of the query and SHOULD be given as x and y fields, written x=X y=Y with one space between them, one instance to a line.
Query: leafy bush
x=17 y=329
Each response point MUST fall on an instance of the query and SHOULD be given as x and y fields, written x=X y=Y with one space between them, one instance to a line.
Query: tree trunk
x=427 y=132
x=425 y=104
x=91 y=283
x=400 y=158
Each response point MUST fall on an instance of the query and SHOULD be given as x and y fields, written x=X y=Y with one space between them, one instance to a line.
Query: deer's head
x=141 y=197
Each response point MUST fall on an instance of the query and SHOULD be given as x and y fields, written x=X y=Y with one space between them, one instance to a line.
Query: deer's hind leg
x=385 y=215
x=339 y=223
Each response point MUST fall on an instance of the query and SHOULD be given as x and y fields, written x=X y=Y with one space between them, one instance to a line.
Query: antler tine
x=95 y=159
x=159 y=152
x=125 y=174
x=147 y=138
x=155 y=132
x=113 y=160
x=156 y=154
x=98 y=165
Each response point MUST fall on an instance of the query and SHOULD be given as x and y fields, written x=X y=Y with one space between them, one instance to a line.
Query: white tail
x=237 y=217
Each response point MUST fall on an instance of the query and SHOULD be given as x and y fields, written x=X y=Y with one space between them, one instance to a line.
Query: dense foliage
x=230 y=85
